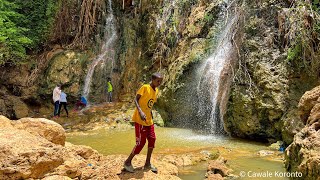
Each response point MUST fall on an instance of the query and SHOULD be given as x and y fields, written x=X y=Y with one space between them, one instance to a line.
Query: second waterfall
x=103 y=65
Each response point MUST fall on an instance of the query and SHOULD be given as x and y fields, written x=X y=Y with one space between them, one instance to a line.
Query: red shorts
x=142 y=134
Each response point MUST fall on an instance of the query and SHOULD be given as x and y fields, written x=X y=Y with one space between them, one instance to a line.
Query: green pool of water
x=173 y=140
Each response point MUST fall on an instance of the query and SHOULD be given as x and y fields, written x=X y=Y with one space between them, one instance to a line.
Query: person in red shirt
x=144 y=128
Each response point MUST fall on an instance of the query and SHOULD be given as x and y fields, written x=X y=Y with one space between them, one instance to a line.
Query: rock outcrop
x=266 y=90
x=11 y=105
x=35 y=149
x=24 y=155
x=303 y=154
x=309 y=105
x=217 y=169
x=67 y=68
x=42 y=127
x=186 y=82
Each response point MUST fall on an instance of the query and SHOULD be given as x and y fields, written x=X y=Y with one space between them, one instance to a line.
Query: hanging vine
x=77 y=21
x=91 y=11
x=75 y=24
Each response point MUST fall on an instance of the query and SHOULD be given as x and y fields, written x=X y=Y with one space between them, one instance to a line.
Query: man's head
x=156 y=79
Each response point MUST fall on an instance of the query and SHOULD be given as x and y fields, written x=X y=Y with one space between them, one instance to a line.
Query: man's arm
x=142 y=114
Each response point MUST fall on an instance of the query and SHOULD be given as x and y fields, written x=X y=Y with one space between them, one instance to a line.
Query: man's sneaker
x=128 y=168
x=152 y=168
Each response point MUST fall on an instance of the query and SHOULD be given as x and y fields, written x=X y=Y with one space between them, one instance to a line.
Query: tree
x=12 y=36
x=39 y=16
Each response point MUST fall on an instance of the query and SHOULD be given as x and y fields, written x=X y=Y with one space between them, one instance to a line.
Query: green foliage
x=84 y=60
x=208 y=17
x=39 y=17
x=294 y=53
x=23 y=25
x=12 y=36
x=316 y=5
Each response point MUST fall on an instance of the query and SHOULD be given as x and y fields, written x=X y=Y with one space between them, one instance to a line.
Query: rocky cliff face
x=303 y=153
x=266 y=90
x=172 y=37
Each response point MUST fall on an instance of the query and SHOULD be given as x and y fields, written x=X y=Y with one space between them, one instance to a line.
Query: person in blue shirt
x=82 y=103
x=63 y=101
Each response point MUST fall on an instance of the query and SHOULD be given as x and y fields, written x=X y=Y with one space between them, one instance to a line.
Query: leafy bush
x=12 y=36
x=39 y=17
x=294 y=53
x=24 y=25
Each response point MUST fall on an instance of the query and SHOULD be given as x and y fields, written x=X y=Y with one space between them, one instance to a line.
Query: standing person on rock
x=63 y=102
x=109 y=90
x=56 y=99
x=144 y=127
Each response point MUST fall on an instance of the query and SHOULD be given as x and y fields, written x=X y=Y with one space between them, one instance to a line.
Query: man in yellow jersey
x=144 y=128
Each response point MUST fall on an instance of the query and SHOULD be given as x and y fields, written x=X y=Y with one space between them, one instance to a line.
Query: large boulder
x=13 y=91
x=27 y=153
x=303 y=154
x=24 y=155
x=45 y=128
x=20 y=109
x=13 y=106
x=308 y=107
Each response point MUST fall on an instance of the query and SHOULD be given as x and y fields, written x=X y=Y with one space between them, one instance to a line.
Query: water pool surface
x=241 y=155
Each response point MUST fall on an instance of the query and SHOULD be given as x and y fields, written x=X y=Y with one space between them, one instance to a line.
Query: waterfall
x=200 y=103
x=106 y=55
x=209 y=84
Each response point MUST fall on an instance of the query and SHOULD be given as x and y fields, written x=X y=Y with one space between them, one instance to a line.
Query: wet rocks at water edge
x=217 y=169
x=36 y=149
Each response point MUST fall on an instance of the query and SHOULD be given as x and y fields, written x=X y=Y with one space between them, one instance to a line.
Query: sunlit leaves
x=12 y=38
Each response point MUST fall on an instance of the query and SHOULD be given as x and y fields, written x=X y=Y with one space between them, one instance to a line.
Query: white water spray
x=208 y=86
